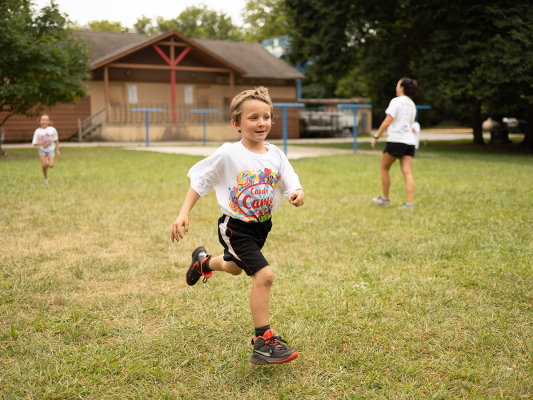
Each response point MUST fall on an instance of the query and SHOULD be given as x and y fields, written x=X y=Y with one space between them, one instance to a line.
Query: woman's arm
x=384 y=125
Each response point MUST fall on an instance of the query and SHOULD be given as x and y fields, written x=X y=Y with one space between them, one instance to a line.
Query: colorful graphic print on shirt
x=251 y=199
x=46 y=140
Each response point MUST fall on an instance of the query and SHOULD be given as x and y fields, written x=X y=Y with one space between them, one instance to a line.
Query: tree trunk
x=528 y=137
x=476 y=122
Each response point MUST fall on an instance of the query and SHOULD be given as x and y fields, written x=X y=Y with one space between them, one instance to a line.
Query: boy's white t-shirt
x=403 y=110
x=46 y=136
x=248 y=186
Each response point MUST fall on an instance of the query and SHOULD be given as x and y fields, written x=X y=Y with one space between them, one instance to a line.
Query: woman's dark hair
x=410 y=87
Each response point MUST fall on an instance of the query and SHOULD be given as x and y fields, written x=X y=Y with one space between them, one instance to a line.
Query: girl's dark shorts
x=399 y=150
x=243 y=241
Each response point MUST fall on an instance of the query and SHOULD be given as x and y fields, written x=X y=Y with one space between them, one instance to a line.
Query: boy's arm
x=57 y=148
x=297 y=198
x=292 y=187
x=183 y=218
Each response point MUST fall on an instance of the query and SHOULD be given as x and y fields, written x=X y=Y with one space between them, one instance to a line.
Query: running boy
x=48 y=141
x=250 y=178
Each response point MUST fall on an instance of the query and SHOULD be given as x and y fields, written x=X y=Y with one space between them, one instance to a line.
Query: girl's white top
x=248 y=186
x=46 y=136
x=403 y=110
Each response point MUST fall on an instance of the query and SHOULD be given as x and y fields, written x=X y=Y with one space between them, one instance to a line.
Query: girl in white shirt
x=401 y=141
x=47 y=139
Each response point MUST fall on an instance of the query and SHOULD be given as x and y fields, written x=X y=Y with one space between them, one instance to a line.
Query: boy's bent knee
x=264 y=276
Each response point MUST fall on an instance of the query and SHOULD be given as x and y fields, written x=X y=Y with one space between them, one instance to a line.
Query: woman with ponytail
x=401 y=141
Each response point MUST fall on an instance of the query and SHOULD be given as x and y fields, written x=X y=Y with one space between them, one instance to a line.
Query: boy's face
x=255 y=121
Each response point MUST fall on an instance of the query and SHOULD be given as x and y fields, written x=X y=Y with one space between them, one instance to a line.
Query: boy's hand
x=297 y=198
x=58 y=153
x=181 y=222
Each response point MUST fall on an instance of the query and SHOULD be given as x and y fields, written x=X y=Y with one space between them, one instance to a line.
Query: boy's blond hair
x=259 y=93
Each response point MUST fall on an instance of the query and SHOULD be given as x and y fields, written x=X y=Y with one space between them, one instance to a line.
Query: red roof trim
x=167 y=35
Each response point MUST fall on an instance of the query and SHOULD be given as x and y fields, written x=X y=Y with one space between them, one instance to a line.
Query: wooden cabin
x=170 y=72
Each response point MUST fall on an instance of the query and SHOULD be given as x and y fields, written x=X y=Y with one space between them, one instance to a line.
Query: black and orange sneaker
x=197 y=268
x=269 y=349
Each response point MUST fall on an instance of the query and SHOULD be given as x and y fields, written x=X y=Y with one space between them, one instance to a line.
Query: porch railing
x=119 y=113
x=91 y=123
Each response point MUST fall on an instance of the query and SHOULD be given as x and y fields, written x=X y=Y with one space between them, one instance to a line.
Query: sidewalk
x=424 y=135
x=293 y=152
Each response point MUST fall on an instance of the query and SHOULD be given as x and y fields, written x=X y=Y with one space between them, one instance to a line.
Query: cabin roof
x=250 y=60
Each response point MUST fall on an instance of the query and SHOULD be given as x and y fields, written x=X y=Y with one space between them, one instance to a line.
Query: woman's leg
x=259 y=297
x=386 y=161
x=405 y=163
x=44 y=165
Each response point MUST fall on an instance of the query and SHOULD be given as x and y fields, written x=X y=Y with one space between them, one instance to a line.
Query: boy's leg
x=51 y=162
x=44 y=166
x=218 y=264
x=261 y=284
x=203 y=265
x=268 y=348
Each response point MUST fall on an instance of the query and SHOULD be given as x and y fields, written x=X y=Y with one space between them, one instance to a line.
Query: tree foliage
x=466 y=55
x=265 y=19
x=144 y=25
x=481 y=54
x=320 y=31
x=41 y=64
x=202 y=23
x=107 y=26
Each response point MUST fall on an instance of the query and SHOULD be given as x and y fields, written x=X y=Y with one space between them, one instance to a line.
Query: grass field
x=448 y=147
x=381 y=303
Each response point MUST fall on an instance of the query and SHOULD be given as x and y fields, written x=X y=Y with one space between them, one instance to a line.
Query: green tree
x=480 y=54
x=320 y=32
x=466 y=55
x=202 y=23
x=106 y=26
x=40 y=62
x=265 y=19
x=144 y=25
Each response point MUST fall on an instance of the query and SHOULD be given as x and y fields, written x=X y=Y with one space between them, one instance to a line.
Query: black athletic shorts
x=243 y=241
x=399 y=150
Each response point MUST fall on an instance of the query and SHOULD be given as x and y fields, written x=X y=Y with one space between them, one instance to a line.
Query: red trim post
x=173 y=90
x=172 y=63
x=181 y=56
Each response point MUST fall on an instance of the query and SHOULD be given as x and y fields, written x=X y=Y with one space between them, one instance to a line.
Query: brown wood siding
x=162 y=76
x=64 y=118
x=293 y=122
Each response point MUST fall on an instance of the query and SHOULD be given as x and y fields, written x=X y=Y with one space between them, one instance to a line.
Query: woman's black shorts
x=243 y=241
x=399 y=150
